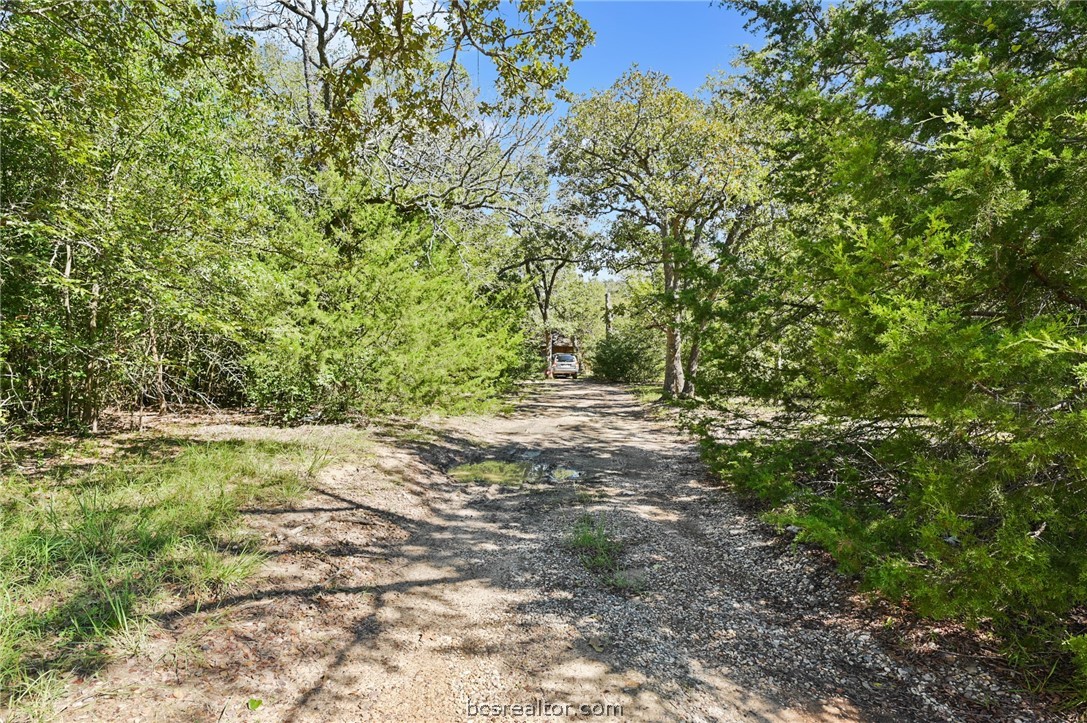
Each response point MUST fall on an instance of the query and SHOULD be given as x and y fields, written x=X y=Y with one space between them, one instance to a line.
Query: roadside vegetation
x=92 y=550
x=870 y=244
x=629 y=355
x=202 y=206
x=918 y=309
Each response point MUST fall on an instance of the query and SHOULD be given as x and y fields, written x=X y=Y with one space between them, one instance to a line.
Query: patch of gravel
x=724 y=596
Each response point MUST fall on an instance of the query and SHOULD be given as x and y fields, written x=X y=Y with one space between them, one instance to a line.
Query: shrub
x=958 y=531
x=394 y=326
x=628 y=355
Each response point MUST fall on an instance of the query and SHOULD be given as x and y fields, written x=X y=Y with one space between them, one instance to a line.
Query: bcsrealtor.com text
x=544 y=709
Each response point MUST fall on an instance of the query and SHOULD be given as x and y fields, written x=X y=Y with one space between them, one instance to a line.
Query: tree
x=376 y=317
x=120 y=200
x=677 y=176
x=387 y=98
x=547 y=249
x=934 y=162
x=160 y=208
x=405 y=59
x=458 y=173
x=630 y=350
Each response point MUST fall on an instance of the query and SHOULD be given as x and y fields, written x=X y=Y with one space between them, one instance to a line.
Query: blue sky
x=686 y=40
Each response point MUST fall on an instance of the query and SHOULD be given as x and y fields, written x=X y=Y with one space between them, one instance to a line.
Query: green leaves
x=395 y=325
x=630 y=354
x=653 y=152
x=930 y=207
x=121 y=195
x=167 y=239
x=681 y=181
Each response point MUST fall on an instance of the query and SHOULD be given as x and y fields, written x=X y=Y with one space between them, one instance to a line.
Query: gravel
x=722 y=595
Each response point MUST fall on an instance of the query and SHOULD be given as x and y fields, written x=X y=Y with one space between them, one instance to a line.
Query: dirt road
x=395 y=593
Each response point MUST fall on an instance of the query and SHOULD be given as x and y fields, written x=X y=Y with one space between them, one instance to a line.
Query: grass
x=494 y=472
x=647 y=393
x=87 y=557
x=595 y=547
x=585 y=496
x=564 y=474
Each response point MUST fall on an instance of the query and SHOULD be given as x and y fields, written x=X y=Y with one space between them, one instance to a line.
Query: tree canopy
x=678 y=176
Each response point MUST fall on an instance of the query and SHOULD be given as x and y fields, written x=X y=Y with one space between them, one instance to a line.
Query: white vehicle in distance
x=564 y=365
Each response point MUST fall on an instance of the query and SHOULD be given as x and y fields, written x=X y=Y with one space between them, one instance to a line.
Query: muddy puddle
x=512 y=474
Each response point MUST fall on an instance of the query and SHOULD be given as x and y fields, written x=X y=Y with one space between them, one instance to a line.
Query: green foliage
x=567 y=302
x=634 y=351
x=389 y=324
x=920 y=522
x=628 y=355
x=929 y=300
x=680 y=180
x=173 y=234
x=595 y=547
x=1077 y=645
x=85 y=558
x=577 y=306
x=121 y=201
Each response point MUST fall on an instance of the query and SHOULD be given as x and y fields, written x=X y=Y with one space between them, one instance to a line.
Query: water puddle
x=511 y=474
x=495 y=472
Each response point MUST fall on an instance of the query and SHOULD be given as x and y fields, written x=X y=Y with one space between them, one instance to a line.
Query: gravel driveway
x=395 y=593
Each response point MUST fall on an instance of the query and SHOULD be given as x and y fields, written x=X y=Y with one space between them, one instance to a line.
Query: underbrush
x=648 y=393
x=87 y=557
x=629 y=354
x=951 y=530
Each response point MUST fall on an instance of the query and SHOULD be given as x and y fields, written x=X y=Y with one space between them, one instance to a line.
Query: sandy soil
x=393 y=593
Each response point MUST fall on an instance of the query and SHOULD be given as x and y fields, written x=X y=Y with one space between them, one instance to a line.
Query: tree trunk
x=694 y=355
x=673 y=353
x=607 y=313
x=67 y=373
x=673 y=361
x=160 y=380
x=306 y=79
x=90 y=388
x=543 y=302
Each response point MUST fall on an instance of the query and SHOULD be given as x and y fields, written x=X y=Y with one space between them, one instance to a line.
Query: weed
x=625 y=581
x=583 y=496
x=647 y=393
x=595 y=547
